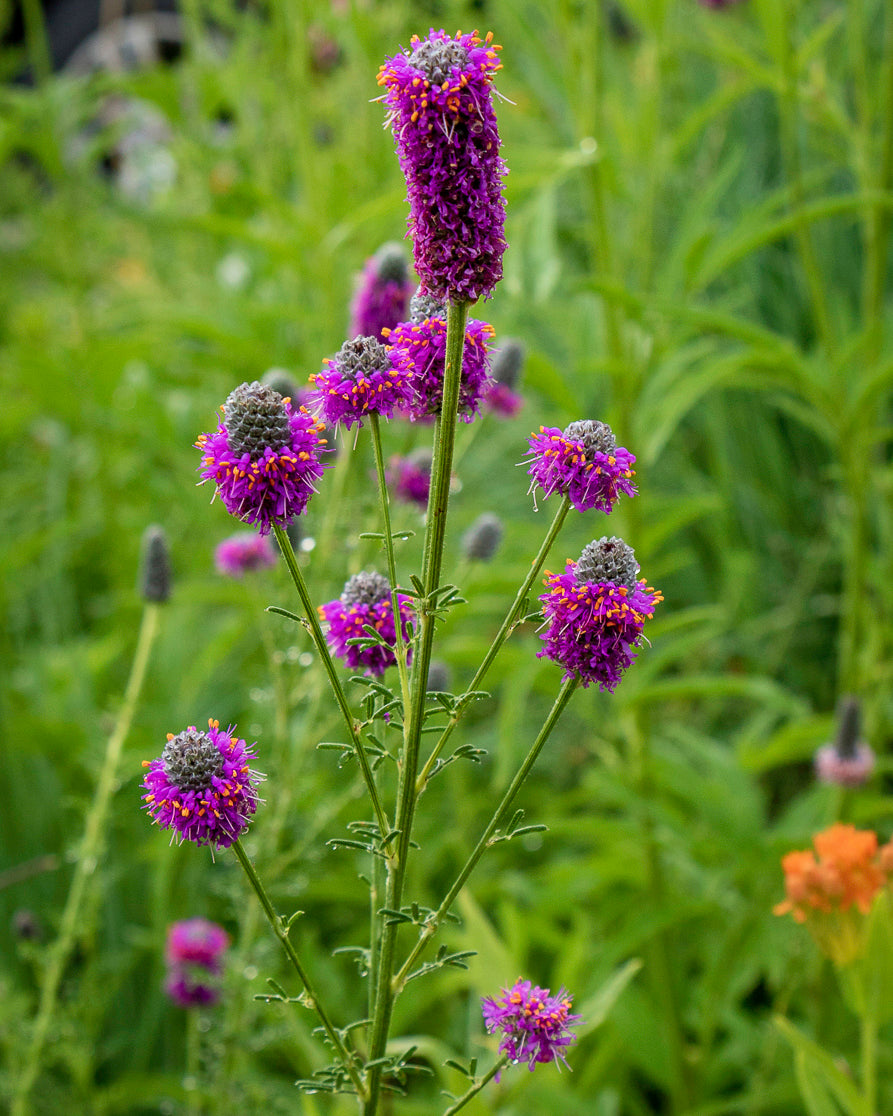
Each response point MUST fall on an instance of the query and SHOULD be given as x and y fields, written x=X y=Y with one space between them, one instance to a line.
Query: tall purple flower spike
x=382 y=294
x=263 y=457
x=440 y=107
x=595 y=612
x=203 y=787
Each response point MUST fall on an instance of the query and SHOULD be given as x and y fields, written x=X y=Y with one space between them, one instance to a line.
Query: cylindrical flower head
x=440 y=107
x=505 y=368
x=595 y=612
x=418 y=348
x=155 y=566
x=849 y=761
x=481 y=541
x=535 y=1026
x=365 y=602
x=196 y=941
x=361 y=379
x=244 y=553
x=202 y=788
x=263 y=457
x=410 y=477
x=383 y=292
x=582 y=462
x=281 y=380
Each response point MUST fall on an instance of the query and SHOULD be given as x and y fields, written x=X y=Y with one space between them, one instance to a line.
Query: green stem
x=432 y=558
x=38 y=43
x=322 y=648
x=193 y=1064
x=384 y=501
x=87 y=857
x=869 y=1063
x=878 y=218
x=477 y=1086
x=310 y=998
x=434 y=921
x=508 y=626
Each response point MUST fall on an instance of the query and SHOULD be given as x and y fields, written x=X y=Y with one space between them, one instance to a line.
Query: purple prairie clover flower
x=848 y=761
x=196 y=941
x=382 y=294
x=595 y=612
x=535 y=1026
x=419 y=349
x=244 y=553
x=505 y=368
x=360 y=380
x=440 y=107
x=365 y=602
x=263 y=457
x=155 y=566
x=193 y=985
x=410 y=477
x=203 y=787
x=582 y=462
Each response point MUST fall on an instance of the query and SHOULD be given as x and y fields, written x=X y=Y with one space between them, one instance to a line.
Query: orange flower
x=849 y=873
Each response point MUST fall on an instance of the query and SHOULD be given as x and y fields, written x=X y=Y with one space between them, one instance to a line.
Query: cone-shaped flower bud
x=481 y=541
x=281 y=380
x=848 y=761
x=263 y=457
x=595 y=612
x=155 y=566
x=203 y=787
x=365 y=602
x=535 y=1027
x=440 y=107
x=360 y=380
x=382 y=294
x=582 y=462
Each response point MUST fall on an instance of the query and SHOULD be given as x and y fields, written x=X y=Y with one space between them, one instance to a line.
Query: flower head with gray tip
x=440 y=107
x=410 y=477
x=155 y=566
x=361 y=379
x=382 y=294
x=849 y=760
x=203 y=787
x=365 y=602
x=582 y=462
x=481 y=541
x=264 y=457
x=418 y=348
x=595 y=613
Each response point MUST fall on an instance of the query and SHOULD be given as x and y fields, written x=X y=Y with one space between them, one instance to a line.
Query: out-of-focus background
x=698 y=217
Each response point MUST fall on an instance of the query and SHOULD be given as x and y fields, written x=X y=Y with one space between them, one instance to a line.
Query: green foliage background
x=698 y=219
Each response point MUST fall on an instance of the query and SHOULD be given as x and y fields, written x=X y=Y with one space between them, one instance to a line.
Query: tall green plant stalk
x=88 y=855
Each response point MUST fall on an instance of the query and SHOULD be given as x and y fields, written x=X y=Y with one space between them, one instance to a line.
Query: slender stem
x=432 y=558
x=431 y=925
x=878 y=218
x=88 y=854
x=508 y=626
x=322 y=648
x=193 y=1064
x=311 y=998
x=477 y=1086
x=384 y=501
x=38 y=43
x=868 y=1042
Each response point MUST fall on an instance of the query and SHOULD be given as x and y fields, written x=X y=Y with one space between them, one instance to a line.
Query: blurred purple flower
x=382 y=295
x=848 y=761
x=410 y=477
x=244 y=553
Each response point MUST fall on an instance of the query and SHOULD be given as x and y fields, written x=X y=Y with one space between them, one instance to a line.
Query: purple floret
x=195 y=941
x=361 y=379
x=440 y=107
x=263 y=457
x=594 y=626
x=202 y=788
x=366 y=602
x=583 y=462
x=535 y=1026
x=419 y=349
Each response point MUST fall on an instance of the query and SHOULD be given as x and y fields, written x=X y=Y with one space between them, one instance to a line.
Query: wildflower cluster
x=534 y=1025
x=832 y=888
x=194 y=955
x=365 y=603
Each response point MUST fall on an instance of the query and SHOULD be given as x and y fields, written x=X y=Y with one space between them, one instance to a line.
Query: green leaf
x=819 y=1077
